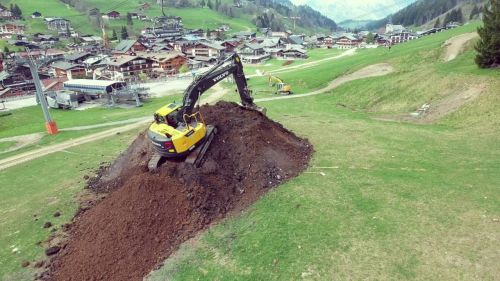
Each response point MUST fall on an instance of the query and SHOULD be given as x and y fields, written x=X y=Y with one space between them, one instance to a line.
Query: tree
x=370 y=38
x=210 y=5
x=217 y=5
x=68 y=31
x=474 y=12
x=437 y=23
x=114 y=36
x=202 y=3
x=124 y=34
x=488 y=47
x=6 y=50
x=129 y=19
x=184 y=68
x=16 y=11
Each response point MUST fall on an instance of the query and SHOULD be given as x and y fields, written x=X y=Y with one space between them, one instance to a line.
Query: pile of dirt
x=145 y=216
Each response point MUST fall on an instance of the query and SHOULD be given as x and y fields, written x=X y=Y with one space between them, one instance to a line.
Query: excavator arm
x=230 y=66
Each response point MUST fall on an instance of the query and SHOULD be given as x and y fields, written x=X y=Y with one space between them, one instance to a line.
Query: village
x=74 y=68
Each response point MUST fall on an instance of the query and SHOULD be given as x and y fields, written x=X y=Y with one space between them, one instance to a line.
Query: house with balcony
x=253 y=53
x=205 y=49
x=58 y=24
x=126 y=67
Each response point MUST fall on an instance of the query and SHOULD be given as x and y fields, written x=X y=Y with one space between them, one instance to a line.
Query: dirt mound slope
x=145 y=216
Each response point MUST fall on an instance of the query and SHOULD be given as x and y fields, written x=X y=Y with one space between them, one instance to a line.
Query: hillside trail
x=347 y=53
x=455 y=45
x=451 y=104
x=21 y=141
x=374 y=70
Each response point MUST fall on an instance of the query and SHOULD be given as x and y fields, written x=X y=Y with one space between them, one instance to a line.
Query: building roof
x=65 y=65
x=253 y=46
x=121 y=60
x=125 y=45
x=54 y=19
x=212 y=45
x=76 y=56
x=90 y=82
x=295 y=39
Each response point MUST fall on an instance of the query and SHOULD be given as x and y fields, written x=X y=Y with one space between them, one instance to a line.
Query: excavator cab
x=179 y=130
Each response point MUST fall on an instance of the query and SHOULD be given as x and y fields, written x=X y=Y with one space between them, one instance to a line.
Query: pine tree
x=6 y=50
x=129 y=19
x=202 y=3
x=459 y=15
x=488 y=47
x=16 y=12
x=217 y=5
x=210 y=5
x=68 y=31
x=114 y=36
x=124 y=33
x=474 y=12
x=437 y=23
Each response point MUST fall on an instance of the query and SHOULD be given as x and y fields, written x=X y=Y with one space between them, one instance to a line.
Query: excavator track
x=155 y=162
x=196 y=156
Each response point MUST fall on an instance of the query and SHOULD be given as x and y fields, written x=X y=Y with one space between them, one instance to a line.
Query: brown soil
x=144 y=217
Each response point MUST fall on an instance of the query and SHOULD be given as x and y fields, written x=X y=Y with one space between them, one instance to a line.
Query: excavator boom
x=178 y=131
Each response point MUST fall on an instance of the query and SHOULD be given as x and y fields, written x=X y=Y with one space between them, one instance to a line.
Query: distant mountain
x=354 y=24
x=426 y=12
x=342 y=10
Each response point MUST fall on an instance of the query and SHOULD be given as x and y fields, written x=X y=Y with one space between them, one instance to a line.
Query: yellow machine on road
x=179 y=131
x=281 y=87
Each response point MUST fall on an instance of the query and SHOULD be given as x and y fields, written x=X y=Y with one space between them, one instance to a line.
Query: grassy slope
x=397 y=201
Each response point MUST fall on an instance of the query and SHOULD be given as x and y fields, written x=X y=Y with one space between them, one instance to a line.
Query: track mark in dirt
x=441 y=108
x=451 y=104
x=22 y=141
x=455 y=45
x=374 y=70
x=144 y=216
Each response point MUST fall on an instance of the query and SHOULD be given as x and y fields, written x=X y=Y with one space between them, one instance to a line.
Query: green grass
x=23 y=121
x=4 y=145
x=380 y=201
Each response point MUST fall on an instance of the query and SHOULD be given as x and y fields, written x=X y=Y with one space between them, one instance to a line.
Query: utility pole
x=294 y=21
x=50 y=124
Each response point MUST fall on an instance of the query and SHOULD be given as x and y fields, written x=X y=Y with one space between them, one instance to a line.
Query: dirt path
x=455 y=45
x=374 y=70
x=451 y=104
x=22 y=141
x=350 y=52
x=30 y=155
x=115 y=123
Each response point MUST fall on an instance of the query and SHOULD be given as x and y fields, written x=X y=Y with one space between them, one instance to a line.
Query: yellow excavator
x=179 y=130
x=281 y=87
